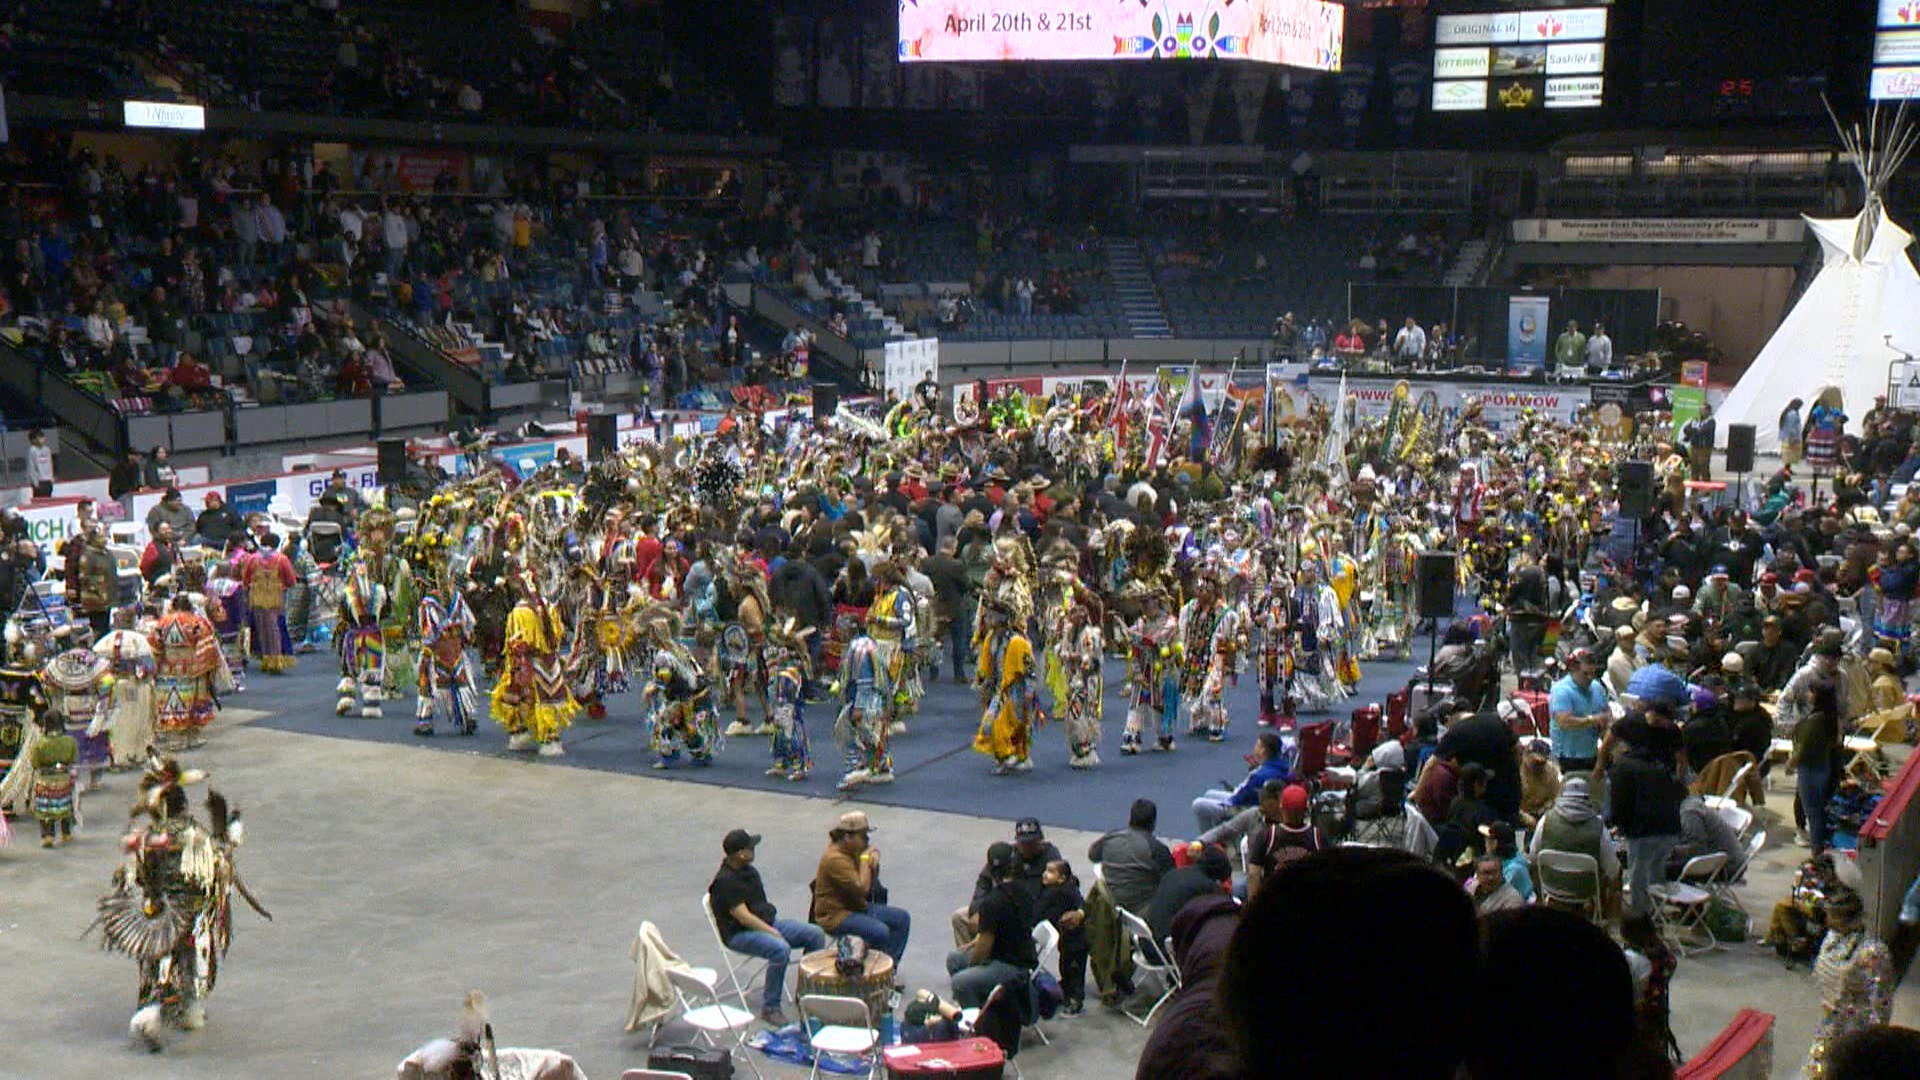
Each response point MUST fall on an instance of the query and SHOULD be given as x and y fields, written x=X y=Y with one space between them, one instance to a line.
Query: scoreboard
x=1515 y=59
x=1896 y=52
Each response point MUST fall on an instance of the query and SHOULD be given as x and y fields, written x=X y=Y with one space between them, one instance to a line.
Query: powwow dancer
x=1080 y=689
x=77 y=682
x=1153 y=675
x=171 y=904
x=56 y=792
x=227 y=609
x=128 y=716
x=361 y=641
x=786 y=684
x=532 y=699
x=679 y=696
x=862 y=724
x=268 y=576
x=188 y=658
x=1008 y=679
x=447 y=687
x=1207 y=636
x=738 y=653
x=891 y=626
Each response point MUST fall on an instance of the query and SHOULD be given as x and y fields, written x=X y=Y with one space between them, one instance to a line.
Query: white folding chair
x=1739 y=818
x=726 y=956
x=845 y=1027
x=1689 y=896
x=1046 y=945
x=1145 y=951
x=1574 y=864
x=1419 y=837
x=701 y=1007
x=1722 y=885
x=1739 y=782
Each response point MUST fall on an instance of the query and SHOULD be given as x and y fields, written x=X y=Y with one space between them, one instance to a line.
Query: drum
x=817 y=976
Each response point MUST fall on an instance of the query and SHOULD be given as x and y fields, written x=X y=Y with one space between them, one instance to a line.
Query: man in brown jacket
x=843 y=890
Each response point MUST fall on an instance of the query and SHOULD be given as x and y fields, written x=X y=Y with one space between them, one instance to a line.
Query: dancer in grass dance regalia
x=862 y=726
x=678 y=694
x=786 y=685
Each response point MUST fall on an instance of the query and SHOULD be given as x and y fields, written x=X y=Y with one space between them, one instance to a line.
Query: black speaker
x=603 y=436
x=1634 y=481
x=1740 y=448
x=826 y=400
x=1433 y=577
x=393 y=461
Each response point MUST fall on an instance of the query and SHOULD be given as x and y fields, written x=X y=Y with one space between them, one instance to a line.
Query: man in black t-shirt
x=748 y=924
x=1003 y=949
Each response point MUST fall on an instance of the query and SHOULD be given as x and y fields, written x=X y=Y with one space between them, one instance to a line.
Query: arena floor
x=403 y=872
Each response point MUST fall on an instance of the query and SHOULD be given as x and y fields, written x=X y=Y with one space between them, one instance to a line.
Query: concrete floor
x=400 y=879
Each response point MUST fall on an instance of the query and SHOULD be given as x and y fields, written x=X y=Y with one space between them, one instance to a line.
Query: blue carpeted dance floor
x=936 y=766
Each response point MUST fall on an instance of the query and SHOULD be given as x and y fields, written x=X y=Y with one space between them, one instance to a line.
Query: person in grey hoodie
x=1132 y=859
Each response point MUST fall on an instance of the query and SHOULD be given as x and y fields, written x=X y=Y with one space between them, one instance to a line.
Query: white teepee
x=1861 y=312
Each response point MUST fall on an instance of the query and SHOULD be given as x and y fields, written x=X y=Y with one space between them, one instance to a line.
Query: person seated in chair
x=1703 y=832
x=749 y=924
x=1003 y=948
x=1270 y=762
x=844 y=893
x=1207 y=875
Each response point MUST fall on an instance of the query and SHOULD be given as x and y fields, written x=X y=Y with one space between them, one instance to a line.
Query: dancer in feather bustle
x=171 y=904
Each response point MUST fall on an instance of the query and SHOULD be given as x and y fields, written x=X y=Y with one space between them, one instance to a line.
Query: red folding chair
x=1366 y=731
x=1397 y=713
x=1315 y=741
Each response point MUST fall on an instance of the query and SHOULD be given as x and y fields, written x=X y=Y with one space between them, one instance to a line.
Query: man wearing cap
x=217 y=524
x=1778 y=655
x=843 y=887
x=1622 y=663
x=1579 y=711
x=748 y=922
x=1277 y=843
x=1031 y=854
x=1003 y=947
x=1719 y=598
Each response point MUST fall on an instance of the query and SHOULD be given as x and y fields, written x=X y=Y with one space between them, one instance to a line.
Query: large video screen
x=1297 y=33
x=1896 y=52
x=1552 y=58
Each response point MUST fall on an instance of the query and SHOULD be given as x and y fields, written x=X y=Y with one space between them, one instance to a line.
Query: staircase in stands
x=1133 y=286
x=1466 y=264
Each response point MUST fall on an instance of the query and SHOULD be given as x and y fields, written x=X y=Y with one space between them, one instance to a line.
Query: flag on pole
x=1334 y=457
x=1158 y=422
